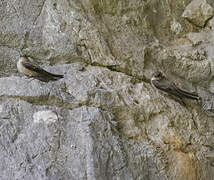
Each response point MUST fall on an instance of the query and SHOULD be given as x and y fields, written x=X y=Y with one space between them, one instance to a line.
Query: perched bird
x=31 y=70
x=160 y=82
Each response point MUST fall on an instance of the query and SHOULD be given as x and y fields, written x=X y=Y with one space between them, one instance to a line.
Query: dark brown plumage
x=31 y=70
x=160 y=82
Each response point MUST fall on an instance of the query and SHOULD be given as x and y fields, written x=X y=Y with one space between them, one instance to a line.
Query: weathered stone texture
x=198 y=12
x=104 y=119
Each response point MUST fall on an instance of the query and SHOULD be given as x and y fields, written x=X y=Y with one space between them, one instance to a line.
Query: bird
x=26 y=67
x=162 y=83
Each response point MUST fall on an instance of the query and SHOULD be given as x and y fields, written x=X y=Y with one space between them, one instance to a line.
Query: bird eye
x=157 y=75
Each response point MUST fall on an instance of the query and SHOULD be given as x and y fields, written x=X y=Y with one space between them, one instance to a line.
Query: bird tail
x=49 y=77
x=56 y=76
x=188 y=94
x=52 y=77
x=42 y=78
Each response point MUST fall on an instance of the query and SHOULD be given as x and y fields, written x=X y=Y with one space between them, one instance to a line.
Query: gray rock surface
x=104 y=120
x=198 y=12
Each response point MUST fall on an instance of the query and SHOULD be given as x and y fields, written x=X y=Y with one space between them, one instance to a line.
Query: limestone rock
x=104 y=119
x=198 y=12
x=197 y=38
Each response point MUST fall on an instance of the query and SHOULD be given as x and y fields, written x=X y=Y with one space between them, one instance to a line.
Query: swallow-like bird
x=26 y=67
x=160 y=82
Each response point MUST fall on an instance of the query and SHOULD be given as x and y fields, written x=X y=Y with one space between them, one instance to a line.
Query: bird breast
x=24 y=70
x=19 y=66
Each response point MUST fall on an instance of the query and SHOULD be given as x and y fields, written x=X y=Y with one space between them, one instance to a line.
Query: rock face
x=198 y=12
x=104 y=119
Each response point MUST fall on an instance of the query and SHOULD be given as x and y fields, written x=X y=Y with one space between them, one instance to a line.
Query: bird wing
x=171 y=88
x=34 y=68
x=167 y=86
x=41 y=72
x=188 y=94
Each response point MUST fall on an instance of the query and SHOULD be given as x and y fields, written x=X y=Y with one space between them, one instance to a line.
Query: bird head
x=157 y=76
x=23 y=57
